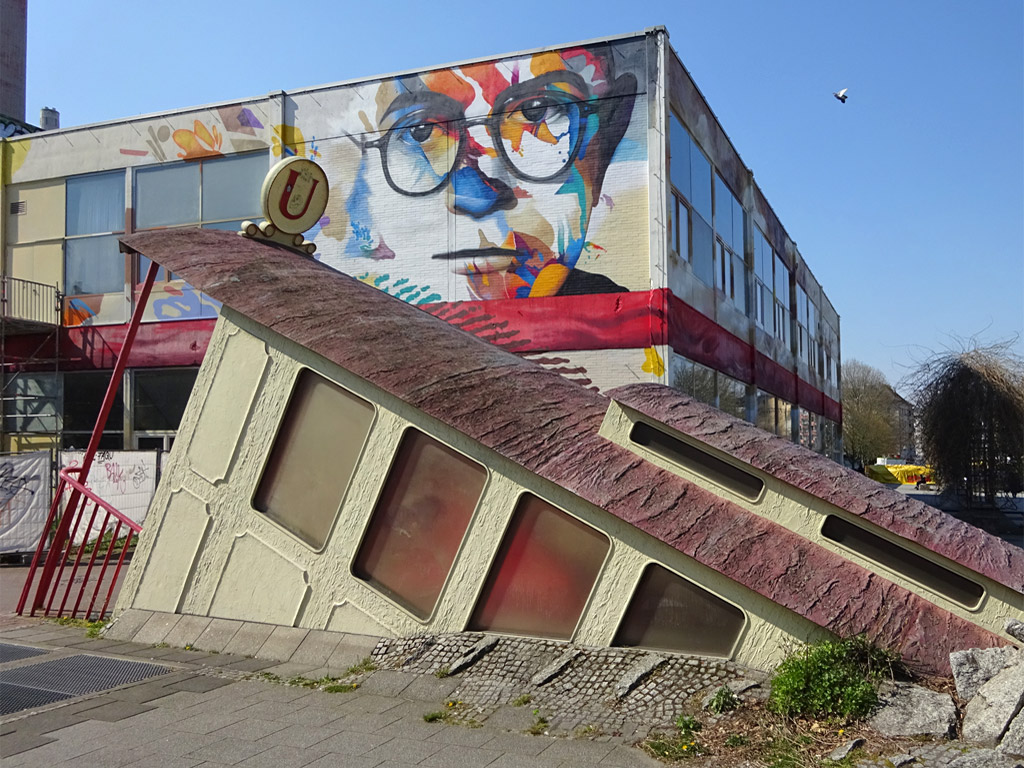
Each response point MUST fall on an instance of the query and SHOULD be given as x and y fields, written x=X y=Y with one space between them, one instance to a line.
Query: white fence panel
x=24 y=499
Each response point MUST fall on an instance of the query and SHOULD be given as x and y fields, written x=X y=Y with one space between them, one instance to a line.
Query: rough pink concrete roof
x=549 y=425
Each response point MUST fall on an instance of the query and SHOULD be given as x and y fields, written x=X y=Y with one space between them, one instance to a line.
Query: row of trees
x=969 y=408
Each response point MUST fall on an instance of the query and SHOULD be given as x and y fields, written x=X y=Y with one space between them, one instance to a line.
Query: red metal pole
x=101 y=422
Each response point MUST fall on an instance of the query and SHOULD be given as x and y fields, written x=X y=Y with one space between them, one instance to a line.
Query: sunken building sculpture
x=375 y=470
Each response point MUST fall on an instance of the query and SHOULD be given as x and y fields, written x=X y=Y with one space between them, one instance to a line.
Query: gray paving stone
x=577 y=749
x=283 y=757
x=462 y=756
x=166 y=741
x=412 y=728
x=21 y=741
x=206 y=722
x=166 y=761
x=156 y=629
x=317 y=647
x=350 y=743
x=248 y=639
x=406 y=750
x=279 y=692
x=520 y=744
x=251 y=729
x=264 y=709
x=187 y=631
x=251 y=665
x=525 y=761
x=49 y=721
x=116 y=711
x=178 y=700
x=288 y=670
x=465 y=737
x=217 y=635
x=330 y=760
x=430 y=688
x=387 y=682
x=199 y=684
x=281 y=644
x=622 y=756
x=227 y=751
x=300 y=736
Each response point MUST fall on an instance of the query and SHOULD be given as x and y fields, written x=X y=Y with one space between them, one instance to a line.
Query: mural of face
x=489 y=171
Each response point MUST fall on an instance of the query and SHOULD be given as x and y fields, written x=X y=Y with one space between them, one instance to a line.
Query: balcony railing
x=28 y=302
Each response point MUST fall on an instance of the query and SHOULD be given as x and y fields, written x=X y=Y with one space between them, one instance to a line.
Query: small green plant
x=724 y=700
x=441 y=716
x=832 y=678
x=540 y=724
x=736 y=740
x=364 y=667
x=522 y=701
x=340 y=687
x=93 y=629
x=442 y=672
x=680 y=745
x=161 y=645
x=588 y=732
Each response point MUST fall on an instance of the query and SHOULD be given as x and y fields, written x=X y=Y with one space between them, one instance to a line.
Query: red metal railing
x=94 y=532
x=68 y=524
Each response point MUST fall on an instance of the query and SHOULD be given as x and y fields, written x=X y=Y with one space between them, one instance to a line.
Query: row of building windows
x=542 y=574
x=145 y=415
x=215 y=193
x=769 y=412
x=706 y=228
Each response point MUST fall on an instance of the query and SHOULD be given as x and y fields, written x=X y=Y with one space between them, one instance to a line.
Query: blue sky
x=907 y=201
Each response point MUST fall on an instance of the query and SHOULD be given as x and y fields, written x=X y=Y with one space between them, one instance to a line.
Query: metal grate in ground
x=15 y=698
x=12 y=652
x=58 y=679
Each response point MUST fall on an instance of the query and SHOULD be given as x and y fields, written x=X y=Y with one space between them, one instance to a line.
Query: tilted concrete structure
x=707 y=535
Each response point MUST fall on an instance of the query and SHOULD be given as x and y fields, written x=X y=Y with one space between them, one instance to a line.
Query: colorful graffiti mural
x=492 y=180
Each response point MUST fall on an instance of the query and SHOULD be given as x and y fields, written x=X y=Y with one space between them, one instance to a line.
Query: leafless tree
x=869 y=428
x=970 y=403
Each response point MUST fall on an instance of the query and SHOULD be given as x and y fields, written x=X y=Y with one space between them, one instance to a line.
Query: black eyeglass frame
x=515 y=94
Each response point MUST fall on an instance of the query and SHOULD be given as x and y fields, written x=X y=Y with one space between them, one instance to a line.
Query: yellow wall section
x=39 y=262
x=44 y=215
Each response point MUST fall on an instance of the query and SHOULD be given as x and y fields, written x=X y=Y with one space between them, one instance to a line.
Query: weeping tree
x=971 y=408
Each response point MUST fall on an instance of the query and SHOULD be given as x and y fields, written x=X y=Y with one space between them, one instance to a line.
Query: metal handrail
x=28 y=300
x=103 y=518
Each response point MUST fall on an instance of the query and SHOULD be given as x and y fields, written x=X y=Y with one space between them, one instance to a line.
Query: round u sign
x=294 y=195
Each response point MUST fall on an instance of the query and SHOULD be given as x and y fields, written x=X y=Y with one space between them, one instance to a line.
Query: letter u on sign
x=294 y=195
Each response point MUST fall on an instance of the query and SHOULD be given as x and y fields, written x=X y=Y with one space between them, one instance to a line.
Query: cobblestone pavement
x=208 y=709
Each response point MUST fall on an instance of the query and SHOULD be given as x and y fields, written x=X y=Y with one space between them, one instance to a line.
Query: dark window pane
x=542 y=576
x=901 y=560
x=160 y=398
x=697 y=460
x=83 y=396
x=419 y=522
x=703 y=251
x=95 y=204
x=672 y=614
x=231 y=186
x=167 y=195
x=679 y=163
x=313 y=458
x=700 y=182
x=93 y=265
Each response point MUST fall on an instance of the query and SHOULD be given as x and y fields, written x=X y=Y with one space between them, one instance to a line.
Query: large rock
x=910 y=710
x=1015 y=627
x=996 y=703
x=1013 y=741
x=975 y=667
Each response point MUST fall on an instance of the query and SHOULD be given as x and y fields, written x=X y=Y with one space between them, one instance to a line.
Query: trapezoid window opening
x=313 y=458
x=901 y=560
x=419 y=522
x=670 y=613
x=543 y=574
x=718 y=471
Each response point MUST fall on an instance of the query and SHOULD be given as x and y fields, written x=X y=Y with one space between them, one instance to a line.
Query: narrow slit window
x=713 y=468
x=313 y=458
x=419 y=522
x=543 y=574
x=669 y=613
x=901 y=560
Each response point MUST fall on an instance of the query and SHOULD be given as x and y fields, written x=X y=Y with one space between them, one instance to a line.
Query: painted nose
x=479 y=195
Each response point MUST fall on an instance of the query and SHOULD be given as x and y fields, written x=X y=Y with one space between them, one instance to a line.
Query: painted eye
x=421 y=132
x=539 y=109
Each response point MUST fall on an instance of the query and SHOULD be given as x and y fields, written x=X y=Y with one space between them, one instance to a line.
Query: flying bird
x=841 y=95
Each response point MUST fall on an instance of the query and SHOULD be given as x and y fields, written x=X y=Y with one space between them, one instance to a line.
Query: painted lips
x=477 y=260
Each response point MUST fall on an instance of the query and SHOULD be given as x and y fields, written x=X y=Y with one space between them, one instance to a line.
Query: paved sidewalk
x=202 y=712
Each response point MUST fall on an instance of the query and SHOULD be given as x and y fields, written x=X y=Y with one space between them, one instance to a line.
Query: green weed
x=680 y=745
x=724 y=700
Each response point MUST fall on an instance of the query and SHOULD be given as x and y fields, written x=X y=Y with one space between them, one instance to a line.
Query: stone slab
x=217 y=635
x=976 y=666
x=249 y=638
x=281 y=644
x=187 y=631
x=316 y=648
x=156 y=628
x=996 y=704
x=910 y=710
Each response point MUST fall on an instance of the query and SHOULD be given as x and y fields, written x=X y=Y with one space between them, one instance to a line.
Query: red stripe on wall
x=96 y=347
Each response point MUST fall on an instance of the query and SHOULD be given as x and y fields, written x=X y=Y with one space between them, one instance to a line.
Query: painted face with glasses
x=489 y=172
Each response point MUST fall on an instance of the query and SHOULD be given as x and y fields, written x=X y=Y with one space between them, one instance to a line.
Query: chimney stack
x=49 y=119
x=13 y=45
